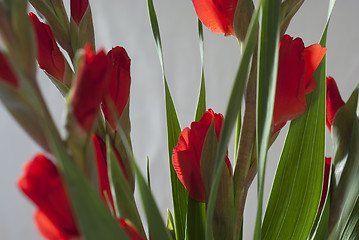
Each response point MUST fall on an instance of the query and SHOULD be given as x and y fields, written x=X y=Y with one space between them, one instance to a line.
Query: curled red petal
x=216 y=15
x=334 y=101
x=42 y=183
x=78 y=9
x=6 y=72
x=290 y=90
x=49 y=56
x=91 y=85
x=186 y=156
x=296 y=66
x=119 y=89
x=313 y=55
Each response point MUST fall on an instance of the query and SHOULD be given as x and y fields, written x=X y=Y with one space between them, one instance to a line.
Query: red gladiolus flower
x=6 y=73
x=49 y=55
x=130 y=230
x=90 y=86
x=216 y=15
x=325 y=181
x=334 y=101
x=101 y=162
x=42 y=183
x=119 y=90
x=78 y=9
x=295 y=79
x=186 y=157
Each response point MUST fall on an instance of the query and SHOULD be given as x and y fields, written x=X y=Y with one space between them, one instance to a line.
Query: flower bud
x=91 y=84
x=242 y=18
x=78 y=9
x=49 y=56
x=6 y=73
x=334 y=101
x=119 y=89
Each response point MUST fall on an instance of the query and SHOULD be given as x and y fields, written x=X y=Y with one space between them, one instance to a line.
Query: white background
x=125 y=23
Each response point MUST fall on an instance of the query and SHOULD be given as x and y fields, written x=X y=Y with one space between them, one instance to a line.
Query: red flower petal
x=313 y=55
x=325 y=181
x=296 y=66
x=78 y=9
x=186 y=157
x=42 y=183
x=119 y=90
x=48 y=229
x=217 y=15
x=49 y=55
x=6 y=73
x=130 y=230
x=90 y=87
x=101 y=162
x=334 y=101
x=100 y=150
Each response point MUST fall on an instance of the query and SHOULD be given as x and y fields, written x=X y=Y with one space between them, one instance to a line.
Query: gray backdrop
x=125 y=23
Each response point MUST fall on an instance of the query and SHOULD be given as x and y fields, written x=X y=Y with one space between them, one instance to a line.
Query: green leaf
x=148 y=173
x=321 y=227
x=155 y=223
x=124 y=201
x=157 y=229
x=351 y=230
x=292 y=206
x=297 y=186
x=179 y=193
x=170 y=224
x=201 y=105
x=223 y=212
x=57 y=18
x=93 y=217
x=345 y=132
x=233 y=108
x=288 y=9
x=196 y=217
x=238 y=134
x=24 y=113
x=266 y=86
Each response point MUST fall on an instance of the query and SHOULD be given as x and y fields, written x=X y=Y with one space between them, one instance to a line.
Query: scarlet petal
x=100 y=150
x=78 y=9
x=42 y=183
x=334 y=101
x=290 y=91
x=90 y=87
x=101 y=162
x=313 y=55
x=130 y=230
x=49 y=55
x=47 y=228
x=119 y=89
x=325 y=181
x=217 y=15
x=188 y=170
x=186 y=157
x=295 y=79
x=6 y=73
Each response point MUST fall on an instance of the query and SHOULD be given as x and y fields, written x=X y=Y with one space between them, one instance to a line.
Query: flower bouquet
x=84 y=179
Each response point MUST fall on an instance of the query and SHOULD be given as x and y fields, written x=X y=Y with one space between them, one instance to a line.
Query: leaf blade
x=179 y=193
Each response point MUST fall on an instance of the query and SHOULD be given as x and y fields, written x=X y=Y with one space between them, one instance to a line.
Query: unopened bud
x=242 y=18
